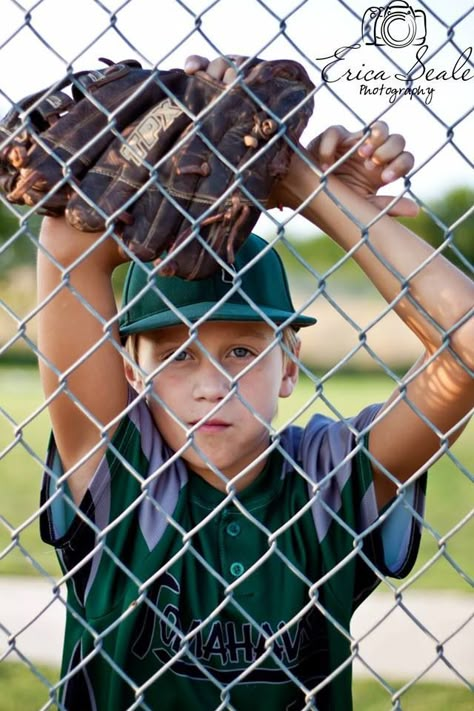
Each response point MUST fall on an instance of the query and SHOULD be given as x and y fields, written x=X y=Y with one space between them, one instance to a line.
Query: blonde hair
x=291 y=340
x=131 y=346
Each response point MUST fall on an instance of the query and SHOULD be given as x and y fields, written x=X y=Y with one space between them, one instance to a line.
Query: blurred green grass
x=24 y=428
x=370 y=696
x=23 y=690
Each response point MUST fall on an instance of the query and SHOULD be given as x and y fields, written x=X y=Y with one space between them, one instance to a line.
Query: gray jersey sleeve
x=334 y=458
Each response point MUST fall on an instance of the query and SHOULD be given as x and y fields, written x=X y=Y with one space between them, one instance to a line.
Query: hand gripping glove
x=189 y=173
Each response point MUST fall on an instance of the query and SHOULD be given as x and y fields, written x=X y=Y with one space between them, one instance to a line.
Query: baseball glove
x=182 y=165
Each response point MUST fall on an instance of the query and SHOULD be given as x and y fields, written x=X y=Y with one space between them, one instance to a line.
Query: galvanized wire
x=15 y=440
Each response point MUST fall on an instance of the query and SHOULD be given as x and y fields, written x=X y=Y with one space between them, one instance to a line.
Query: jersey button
x=236 y=569
x=233 y=529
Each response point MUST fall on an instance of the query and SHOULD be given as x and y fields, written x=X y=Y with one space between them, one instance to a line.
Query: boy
x=209 y=564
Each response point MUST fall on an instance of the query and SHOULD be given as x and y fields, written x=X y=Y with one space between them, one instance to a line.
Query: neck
x=236 y=480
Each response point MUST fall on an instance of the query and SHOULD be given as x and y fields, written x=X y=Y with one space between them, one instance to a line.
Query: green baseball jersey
x=184 y=597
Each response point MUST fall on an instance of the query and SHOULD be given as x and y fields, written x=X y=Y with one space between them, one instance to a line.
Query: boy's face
x=196 y=383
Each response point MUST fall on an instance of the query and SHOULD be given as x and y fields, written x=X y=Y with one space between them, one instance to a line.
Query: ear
x=290 y=373
x=133 y=376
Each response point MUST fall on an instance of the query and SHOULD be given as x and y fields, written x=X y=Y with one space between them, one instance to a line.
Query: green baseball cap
x=152 y=301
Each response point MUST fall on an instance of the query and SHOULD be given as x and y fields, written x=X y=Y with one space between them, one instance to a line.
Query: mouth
x=213 y=425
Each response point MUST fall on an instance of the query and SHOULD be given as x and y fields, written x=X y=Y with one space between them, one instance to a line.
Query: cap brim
x=226 y=312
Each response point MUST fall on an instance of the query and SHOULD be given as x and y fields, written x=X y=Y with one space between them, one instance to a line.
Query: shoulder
x=326 y=437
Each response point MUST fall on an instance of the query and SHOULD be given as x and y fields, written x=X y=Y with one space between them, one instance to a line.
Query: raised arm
x=81 y=370
x=431 y=296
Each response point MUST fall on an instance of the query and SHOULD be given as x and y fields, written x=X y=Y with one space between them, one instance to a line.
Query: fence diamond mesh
x=215 y=551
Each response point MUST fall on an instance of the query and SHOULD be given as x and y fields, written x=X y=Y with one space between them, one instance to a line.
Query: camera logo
x=396 y=25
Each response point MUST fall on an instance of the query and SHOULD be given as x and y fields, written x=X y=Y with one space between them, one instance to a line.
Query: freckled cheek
x=260 y=391
x=172 y=390
x=264 y=375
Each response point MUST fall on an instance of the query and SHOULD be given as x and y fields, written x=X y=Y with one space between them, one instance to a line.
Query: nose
x=211 y=383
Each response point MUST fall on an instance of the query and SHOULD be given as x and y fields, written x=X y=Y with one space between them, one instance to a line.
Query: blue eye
x=180 y=356
x=241 y=352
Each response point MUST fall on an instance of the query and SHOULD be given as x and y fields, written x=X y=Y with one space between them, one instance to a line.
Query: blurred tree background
x=447 y=223
x=449 y=220
x=18 y=235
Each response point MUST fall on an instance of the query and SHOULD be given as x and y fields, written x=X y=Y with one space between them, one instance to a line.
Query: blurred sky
x=39 y=40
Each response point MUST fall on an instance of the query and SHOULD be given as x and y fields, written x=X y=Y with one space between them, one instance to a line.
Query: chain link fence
x=248 y=591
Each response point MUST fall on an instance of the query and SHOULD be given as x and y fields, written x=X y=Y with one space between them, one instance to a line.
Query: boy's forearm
x=81 y=369
x=390 y=254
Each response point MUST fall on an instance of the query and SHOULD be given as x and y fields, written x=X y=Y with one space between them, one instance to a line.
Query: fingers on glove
x=157 y=220
x=171 y=219
x=196 y=63
x=223 y=225
x=224 y=69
